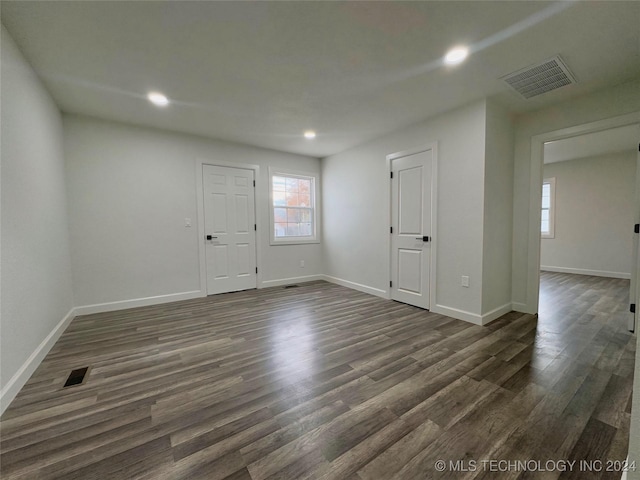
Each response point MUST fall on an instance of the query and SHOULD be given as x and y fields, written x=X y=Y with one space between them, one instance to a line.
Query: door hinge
x=636 y=228
x=255 y=227
x=254 y=183
x=390 y=283
x=391 y=174
x=256 y=269
x=632 y=308
x=390 y=229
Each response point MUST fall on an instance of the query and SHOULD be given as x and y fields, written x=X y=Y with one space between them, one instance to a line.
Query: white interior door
x=634 y=293
x=230 y=235
x=411 y=185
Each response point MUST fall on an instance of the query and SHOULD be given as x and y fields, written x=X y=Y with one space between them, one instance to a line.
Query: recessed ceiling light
x=456 y=55
x=158 y=99
x=309 y=134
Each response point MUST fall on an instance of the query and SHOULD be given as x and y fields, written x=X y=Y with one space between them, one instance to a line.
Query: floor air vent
x=291 y=286
x=77 y=377
x=541 y=78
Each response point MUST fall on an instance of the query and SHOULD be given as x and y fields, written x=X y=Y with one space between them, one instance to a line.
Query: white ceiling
x=261 y=73
x=614 y=140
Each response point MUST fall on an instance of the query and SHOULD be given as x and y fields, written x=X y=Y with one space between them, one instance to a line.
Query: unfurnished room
x=356 y=240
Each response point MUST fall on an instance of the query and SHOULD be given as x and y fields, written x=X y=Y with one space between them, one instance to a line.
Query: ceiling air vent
x=541 y=78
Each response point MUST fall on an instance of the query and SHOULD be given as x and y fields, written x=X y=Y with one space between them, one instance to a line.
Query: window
x=547 y=223
x=294 y=216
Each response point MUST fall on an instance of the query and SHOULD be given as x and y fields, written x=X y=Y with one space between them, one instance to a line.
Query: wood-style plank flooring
x=325 y=382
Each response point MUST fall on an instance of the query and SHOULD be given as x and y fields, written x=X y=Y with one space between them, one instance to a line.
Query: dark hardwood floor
x=321 y=381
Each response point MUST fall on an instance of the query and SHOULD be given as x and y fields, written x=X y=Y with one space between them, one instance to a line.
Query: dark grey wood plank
x=326 y=382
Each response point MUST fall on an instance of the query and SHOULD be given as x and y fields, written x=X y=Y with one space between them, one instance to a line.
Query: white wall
x=130 y=190
x=498 y=211
x=36 y=274
x=356 y=207
x=619 y=100
x=593 y=216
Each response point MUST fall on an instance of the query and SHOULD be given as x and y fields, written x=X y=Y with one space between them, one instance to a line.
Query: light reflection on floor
x=294 y=350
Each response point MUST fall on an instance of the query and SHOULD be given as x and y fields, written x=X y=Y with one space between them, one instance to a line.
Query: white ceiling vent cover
x=541 y=78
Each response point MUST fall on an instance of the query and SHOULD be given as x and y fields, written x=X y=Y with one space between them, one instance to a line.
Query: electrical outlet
x=465 y=281
x=301 y=263
x=187 y=222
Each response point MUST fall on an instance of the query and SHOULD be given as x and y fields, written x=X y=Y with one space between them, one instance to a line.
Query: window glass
x=547 y=216
x=293 y=208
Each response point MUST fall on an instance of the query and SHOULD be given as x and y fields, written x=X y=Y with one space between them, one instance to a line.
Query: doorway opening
x=588 y=208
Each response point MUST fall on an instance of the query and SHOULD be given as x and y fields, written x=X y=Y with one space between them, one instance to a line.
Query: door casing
x=259 y=193
x=433 y=146
x=234 y=242
x=535 y=197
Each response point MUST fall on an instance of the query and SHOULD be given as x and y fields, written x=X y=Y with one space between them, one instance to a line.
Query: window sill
x=293 y=241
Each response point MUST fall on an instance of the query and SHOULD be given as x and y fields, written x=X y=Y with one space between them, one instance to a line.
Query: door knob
x=424 y=239
x=209 y=237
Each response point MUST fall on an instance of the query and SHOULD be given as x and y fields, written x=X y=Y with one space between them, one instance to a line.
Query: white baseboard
x=138 y=302
x=290 y=281
x=521 y=307
x=458 y=314
x=441 y=309
x=582 y=271
x=13 y=386
x=496 y=313
x=356 y=286
x=473 y=317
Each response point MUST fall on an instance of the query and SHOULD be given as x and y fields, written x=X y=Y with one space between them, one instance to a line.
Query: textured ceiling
x=261 y=73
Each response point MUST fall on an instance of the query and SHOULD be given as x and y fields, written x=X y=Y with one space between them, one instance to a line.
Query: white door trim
x=535 y=193
x=433 y=146
x=202 y=260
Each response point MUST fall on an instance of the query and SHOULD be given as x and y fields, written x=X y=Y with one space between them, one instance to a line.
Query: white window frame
x=552 y=209
x=315 y=211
